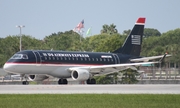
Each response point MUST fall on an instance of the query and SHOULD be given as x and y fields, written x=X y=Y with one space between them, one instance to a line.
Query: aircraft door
x=117 y=60
x=38 y=57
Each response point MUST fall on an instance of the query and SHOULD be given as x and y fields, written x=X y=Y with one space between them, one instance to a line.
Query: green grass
x=89 y=101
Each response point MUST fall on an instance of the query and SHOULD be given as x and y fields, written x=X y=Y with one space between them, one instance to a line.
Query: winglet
x=141 y=21
x=162 y=58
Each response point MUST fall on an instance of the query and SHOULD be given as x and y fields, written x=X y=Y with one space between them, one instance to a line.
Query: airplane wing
x=146 y=59
x=104 y=69
x=83 y=73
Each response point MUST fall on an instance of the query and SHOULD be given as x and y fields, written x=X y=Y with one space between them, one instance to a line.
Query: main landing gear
x=91 y=81
x=62 y=81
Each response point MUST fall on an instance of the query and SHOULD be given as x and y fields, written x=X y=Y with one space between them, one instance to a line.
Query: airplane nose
x=8 y=67
x=5 y=66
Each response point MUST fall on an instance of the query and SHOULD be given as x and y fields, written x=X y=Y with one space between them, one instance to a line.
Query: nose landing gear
x=24 y=82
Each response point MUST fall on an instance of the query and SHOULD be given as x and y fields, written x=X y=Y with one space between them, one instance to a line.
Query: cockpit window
x=24 y=56
x=19 y=56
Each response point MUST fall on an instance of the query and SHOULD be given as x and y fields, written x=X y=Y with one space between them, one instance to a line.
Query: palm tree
x=105 y=28
x=109 y=29
x=112 y=29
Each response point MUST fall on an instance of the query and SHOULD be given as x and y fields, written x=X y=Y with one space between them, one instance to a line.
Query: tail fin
x=132 y=45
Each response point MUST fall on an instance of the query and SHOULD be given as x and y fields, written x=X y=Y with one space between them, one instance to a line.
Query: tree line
x=154 y=43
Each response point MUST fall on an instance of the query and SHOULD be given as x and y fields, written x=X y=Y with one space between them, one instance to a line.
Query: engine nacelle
x=38 y=77
x=80 y=75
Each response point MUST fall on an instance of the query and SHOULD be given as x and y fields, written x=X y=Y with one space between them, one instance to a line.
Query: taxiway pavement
x=90 y=89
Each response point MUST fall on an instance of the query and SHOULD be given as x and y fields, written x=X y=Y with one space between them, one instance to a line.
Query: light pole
x=20 y=26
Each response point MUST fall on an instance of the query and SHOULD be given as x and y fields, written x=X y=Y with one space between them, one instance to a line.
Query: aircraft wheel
x=59 y=81
x=65 y=81
x=88 y=81
x=62 y=81
x=25 y=83
x=91 y=81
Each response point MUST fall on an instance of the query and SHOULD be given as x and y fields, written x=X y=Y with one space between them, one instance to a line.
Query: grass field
x=89 y=101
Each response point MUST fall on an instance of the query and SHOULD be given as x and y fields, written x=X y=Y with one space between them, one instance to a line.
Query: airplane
x=38 y=65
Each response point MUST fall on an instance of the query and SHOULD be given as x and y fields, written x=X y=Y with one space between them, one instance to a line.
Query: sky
x=44 y=17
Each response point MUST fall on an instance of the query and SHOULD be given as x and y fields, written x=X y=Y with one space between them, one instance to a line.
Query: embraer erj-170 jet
x=82 y=66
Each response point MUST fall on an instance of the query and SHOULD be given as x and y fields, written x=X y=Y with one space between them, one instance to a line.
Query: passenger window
x=53 y=58
x=76 y=58
x=69 y=58
x=85 y=59
x=49 y=58
x=89 y=59
x=73 y=58
x=104 y=59
x=81 y=59
x=92 y=59
x=100 y=59
x=57 y=58
x=45 y=58
x=96 y=59
x=65 y=58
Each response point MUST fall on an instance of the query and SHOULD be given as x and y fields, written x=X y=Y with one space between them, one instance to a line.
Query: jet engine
x=38 y=77
x=80 y=75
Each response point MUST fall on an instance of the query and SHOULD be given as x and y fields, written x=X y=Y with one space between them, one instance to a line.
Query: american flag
x=79 y=26
x=136 y=39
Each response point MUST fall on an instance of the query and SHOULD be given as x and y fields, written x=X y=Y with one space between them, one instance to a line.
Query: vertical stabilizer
x=132 y=44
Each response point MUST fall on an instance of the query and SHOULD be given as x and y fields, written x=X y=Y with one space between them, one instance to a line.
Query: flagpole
x=81 y=35
x=78 y=28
